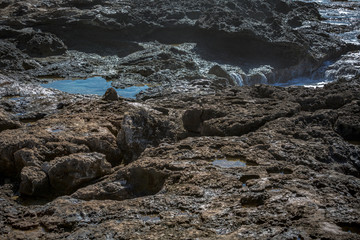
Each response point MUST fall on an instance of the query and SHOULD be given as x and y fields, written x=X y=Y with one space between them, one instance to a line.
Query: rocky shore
x=211 y=150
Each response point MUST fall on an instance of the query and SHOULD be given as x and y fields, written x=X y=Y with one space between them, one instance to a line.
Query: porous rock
x=34 y=181
x=110 y=95
x=69 y=172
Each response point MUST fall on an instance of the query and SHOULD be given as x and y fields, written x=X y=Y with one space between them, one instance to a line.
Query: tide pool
x=93 y=85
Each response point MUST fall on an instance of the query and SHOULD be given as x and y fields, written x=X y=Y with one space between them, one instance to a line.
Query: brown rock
x=110 y=95
x=34 y=181
x=6 y=122
x=69 y=172
x=26 y=157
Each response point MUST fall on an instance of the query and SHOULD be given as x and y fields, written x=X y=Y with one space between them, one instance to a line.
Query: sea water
x=345 y=14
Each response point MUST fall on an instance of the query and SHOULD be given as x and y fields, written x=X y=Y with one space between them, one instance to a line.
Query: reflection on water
x=94 y=85
x=150 y=218
x=225 y=163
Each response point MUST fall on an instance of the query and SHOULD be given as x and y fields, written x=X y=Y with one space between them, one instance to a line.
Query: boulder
x=68 y=173
x=6 y=122
x=110 y=95
x=221 y=73
x=34 y=181
x=141 y=129
x=26 y=157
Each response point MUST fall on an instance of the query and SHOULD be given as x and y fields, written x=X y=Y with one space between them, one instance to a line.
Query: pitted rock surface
x=208 y=151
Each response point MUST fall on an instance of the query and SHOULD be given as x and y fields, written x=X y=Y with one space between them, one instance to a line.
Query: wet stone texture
x=293 y=174
x=208 y=151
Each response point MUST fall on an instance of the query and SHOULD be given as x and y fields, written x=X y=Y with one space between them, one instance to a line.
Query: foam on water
x=94 y=85
x=237 y=78
x=345 y=15
x=318 y=79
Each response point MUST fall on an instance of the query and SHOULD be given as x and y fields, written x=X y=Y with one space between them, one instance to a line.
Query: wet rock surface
x=296 y=174
x=284 y=37
x=208 y=151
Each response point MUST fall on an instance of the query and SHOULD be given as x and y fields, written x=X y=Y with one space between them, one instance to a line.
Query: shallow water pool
x=94 y=85
x=229 y=162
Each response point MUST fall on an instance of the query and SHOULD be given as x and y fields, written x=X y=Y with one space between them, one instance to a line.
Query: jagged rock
x=26 y=157
x=134 y=180
x=294 y=162
x=348 y=122
x=256 y=78
x=41 y=44
x=68 y=173
x=221 y=73
x=114 y=190
x=63 y=135
x=234 y=116
x=34 y=181
x=212 y=161
x=11 y=57
x=5 y=3
x=141 y=129
x=265 y=34
x=6 y=122
x=110 y=95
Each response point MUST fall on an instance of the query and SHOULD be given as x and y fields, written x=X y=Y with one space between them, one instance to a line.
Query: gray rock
x=221 y=73
x=41 y=44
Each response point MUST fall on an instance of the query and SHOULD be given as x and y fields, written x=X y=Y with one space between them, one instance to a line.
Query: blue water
x=229 y=163
x=94 y=85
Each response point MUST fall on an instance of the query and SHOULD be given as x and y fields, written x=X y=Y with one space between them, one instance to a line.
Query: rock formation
x=209 y=151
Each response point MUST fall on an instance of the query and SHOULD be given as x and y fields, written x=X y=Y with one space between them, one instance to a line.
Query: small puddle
x=350 y=227
x=233 y=162
x=16 y=98
x=13 y=98
x=150 y=218
x=55 y=129
x=275 y=190
x=94 y=85
x=229 y=162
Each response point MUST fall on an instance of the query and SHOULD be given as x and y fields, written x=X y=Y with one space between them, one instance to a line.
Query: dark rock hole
x=277 y=170
x=350 y=227
x=146 y=181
